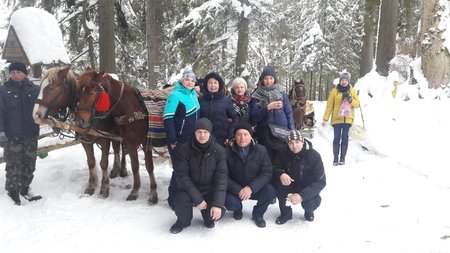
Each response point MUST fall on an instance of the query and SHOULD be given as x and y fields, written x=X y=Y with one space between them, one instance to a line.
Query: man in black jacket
x=250 y=172
x=18 y=132
x=201 y=174
x=299 y=177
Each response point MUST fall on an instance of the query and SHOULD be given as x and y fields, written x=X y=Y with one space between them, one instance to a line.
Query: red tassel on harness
x=103 y=102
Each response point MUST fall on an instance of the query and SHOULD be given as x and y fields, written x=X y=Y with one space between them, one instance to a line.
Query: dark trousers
x=173 y=183
x=184 y=205
x=341 y=133
x=309 y=205
x=20 y=156
x=263 y=197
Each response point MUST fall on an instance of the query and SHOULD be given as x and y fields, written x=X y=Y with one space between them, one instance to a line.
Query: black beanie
x=205 y=124
x=268 y=71
x=17 y=65
x=244 y=125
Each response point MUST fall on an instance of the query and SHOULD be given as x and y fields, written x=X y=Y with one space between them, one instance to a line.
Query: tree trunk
x=408 y=19
x=88 y=35
x=154 y=41
x=106 y=36
x=367 y=50
x=387 y=35
x=242 y=44
x=435 y=57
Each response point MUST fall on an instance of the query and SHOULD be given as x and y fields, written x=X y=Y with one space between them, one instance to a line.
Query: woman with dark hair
x=270 y=105
x=218 y=108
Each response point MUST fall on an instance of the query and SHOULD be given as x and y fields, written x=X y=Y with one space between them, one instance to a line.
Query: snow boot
x=335 y=154
x=25 y=192
x=344 y=148
x=14 y=195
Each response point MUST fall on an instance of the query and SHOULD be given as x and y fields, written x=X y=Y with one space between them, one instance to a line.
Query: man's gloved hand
x=348 y=96
x=3 y=139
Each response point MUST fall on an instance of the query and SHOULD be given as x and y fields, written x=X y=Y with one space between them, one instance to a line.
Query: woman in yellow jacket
x=341 y=124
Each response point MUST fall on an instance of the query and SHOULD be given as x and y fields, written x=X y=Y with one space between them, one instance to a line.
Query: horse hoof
x=89 y=191
x=153 y=200
x=131 y=197
x=104 y=195
x=113 y=174
x=123 y=173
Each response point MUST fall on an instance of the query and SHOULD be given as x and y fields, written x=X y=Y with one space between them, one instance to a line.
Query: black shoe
x=282 y=219
x=237 y=215
x=176 y=228
x=14 y=195
x=209 y=224
x=260 y=222
x=309 y=216
x=28 y=195
x=342 y=162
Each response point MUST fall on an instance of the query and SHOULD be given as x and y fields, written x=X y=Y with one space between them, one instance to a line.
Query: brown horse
x=58 y=97
x=297 y=97
x=130 y=116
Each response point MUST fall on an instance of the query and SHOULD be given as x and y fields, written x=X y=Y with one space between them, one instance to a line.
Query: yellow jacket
x=334 y=103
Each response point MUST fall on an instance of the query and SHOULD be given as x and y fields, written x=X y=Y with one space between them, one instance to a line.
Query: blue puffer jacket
x=180 y=114
x=16 y=109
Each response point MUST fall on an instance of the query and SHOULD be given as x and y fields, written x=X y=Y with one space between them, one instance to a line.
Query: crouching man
x=201 y=175
x=299 y=177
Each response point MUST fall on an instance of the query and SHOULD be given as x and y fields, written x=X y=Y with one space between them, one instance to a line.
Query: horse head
x=91 y=85
x=57 y=92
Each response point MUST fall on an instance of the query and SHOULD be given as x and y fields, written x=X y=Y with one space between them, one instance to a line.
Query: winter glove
x=3 y=139
x=348 y=96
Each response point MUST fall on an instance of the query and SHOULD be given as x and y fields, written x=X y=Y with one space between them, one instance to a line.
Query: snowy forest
x=148 y=42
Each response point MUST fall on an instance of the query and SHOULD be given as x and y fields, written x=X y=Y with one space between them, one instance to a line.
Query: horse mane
x=52 y=74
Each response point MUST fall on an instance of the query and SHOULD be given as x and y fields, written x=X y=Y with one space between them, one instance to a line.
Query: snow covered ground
x=392 y=198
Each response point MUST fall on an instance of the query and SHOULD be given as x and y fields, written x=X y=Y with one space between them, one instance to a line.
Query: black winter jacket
x=16 y=109
x=255 y=171
x=200 y=173
x=306 y=168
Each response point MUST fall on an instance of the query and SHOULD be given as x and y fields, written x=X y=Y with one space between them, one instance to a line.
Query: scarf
x=343 y=89
x=266 y=95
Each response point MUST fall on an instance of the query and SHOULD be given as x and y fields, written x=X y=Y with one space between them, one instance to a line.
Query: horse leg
x=104 y=188
x=153 y=199
x=116 y=165
x=123 y=163
x=132 y=152
x=93 y=179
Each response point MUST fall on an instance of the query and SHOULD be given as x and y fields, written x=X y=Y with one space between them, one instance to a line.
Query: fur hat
x=17 y=65
x=205 y=124
x=295 y=135
x=216 y=76
x=244 y=125
x=345 y=76
x=188 y=72
x=268 y=71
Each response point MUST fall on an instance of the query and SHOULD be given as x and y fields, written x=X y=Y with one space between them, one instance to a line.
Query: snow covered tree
x=387 y=35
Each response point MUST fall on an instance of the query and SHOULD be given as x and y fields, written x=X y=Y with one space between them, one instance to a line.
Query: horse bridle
x=67 y=85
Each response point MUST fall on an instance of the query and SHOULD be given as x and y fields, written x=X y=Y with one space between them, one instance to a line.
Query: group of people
x=223 y=151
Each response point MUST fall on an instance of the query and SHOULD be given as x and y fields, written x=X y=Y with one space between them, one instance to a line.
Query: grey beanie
x=345 y=76
x=188 y=73
x=205 y=124
x=295 y=135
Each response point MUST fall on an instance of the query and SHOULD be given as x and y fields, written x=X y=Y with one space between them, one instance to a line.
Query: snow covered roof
x=34 y=36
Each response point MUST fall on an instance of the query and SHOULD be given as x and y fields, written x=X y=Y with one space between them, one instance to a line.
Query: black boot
x=25 y=192
x=343 y=154
x=14 y=195
x=335 y=154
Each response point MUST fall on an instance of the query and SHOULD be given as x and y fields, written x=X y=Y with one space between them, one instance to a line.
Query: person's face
x=344 y=82
x=243 y=138
x=295 y=146
x=213 y=85
x=17 y=75
x=239 y=89
x=202 y=136
x=268 y=81
x=188 y=83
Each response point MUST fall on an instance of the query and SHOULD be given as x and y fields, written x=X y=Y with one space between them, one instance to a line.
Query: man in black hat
x=201 y=175
x=18 y=132
x=250 y=172
x=299 y=177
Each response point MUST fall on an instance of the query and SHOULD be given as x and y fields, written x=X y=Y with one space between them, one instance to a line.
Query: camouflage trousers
x=20 y=157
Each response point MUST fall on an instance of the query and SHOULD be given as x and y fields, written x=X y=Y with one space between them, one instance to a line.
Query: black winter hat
x=295 y=135
x=17 y=65
x=345 y=76
x=205 y=124
x=216 y=76
x=268 y=71
x=244 y=125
